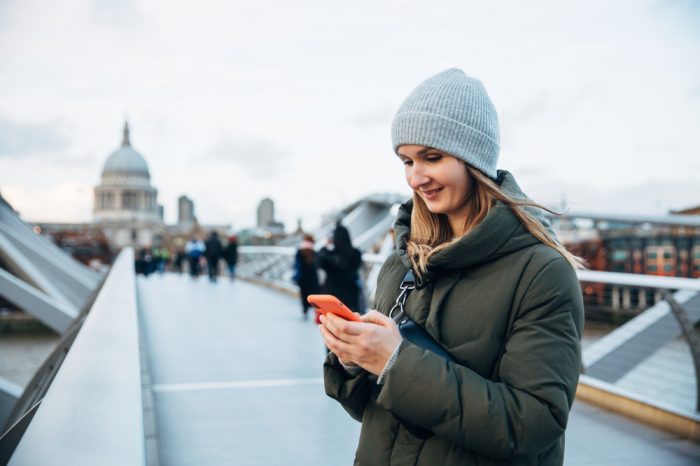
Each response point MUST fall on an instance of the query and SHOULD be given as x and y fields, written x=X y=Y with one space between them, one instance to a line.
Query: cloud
x=27 y=139
x=653 y=197
x=258 y=157
x=122 y=14
x=376 y=117
x=63 y=202
x=661 y=147
x=533 y=107
x=695 y=91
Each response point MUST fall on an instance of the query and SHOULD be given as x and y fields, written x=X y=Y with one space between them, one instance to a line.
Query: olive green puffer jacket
x=509 y=309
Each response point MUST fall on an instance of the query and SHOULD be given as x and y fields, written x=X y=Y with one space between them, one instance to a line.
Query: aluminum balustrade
x=92 y=412
x=648 y=368
x=274 y=264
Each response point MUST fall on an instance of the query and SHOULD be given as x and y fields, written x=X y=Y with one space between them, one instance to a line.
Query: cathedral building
x=126 y=205
x=126 y=213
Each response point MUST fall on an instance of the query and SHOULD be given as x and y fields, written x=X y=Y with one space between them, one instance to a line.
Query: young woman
x=495 y=289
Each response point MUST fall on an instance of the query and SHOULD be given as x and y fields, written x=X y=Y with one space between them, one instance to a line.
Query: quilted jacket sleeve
x=351 y=391
x=525 y=409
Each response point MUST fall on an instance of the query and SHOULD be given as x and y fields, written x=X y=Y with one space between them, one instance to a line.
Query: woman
x=306 y=272
x=341 y=263
x=495 y=289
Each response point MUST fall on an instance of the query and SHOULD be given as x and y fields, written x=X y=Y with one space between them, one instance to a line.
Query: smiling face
x=440 y=180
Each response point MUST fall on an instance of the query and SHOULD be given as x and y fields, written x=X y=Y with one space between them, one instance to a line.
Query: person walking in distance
x=231 y=256
x=492 y=288
x=341 y=262
x=213 y=250
x=306 y=272
x=194 y=248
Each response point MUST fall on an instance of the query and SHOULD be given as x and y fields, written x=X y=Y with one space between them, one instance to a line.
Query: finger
x=340 y=348
x=340 y=326
x=376 y=317
x=328 y=338
x=337 y=333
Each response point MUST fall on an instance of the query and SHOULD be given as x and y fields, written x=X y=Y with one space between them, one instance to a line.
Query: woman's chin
x=435 y=207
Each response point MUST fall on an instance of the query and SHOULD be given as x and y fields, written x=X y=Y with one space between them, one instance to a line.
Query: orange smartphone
x=328 y=303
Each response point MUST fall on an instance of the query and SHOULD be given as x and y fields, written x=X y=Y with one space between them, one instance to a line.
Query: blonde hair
x=431 y=233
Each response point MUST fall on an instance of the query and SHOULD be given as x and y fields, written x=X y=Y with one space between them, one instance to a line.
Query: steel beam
x=52 y=312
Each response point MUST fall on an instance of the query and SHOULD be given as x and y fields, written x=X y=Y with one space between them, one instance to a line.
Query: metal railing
x=274 y=265
x=655 y=356
x=92 y=411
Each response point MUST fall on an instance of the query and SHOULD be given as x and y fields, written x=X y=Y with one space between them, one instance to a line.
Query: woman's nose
x=417 y=177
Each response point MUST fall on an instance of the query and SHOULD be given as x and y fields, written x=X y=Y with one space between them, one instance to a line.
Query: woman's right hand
x=369 y=343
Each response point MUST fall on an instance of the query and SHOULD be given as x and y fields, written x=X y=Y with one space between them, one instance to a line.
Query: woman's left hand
x=369 y=343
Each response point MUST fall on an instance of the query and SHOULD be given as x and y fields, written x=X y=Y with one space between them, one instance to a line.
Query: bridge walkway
x=236 y=376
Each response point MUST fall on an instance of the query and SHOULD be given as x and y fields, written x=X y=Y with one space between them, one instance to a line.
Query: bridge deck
x=236 y=377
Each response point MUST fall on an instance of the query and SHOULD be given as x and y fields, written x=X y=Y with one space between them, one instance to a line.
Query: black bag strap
x=408 y=284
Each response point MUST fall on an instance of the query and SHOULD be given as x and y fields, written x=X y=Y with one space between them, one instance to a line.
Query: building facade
x=126 y=205
x=185 y=211
x=266 y=213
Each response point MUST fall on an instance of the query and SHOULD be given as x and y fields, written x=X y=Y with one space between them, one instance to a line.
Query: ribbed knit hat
x=453 y=113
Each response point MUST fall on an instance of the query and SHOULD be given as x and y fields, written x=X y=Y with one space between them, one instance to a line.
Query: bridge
x=170 y=370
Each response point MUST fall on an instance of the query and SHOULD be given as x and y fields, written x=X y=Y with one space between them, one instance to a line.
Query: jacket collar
x=499 y=234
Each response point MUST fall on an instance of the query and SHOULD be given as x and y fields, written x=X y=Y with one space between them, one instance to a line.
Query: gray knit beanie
x=451 y=112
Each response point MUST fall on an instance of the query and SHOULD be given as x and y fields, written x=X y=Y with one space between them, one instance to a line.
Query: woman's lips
x=431 y=194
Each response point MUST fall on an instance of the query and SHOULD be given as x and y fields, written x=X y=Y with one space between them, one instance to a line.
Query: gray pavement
x=236 y=377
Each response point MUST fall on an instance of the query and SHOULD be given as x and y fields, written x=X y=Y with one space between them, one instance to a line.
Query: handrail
x=633 y=279
x=92 y=412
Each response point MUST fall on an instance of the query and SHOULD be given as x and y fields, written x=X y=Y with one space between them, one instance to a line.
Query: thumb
x=376 y=317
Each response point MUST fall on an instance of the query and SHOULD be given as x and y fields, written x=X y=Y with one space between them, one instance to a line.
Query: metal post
x=691 y=336
x=626 y=298
x=642 y=294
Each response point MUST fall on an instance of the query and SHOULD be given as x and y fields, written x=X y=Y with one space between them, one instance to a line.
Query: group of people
x=341 y=263
x=197 y=254
x=150 y=260
x=209 y=253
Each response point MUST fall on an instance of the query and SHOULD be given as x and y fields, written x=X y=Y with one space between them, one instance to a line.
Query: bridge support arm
x=691 y=336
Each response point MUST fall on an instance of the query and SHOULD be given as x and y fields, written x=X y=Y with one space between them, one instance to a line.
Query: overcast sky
x=230 y=101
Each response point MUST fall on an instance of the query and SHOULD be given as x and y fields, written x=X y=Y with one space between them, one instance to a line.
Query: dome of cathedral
x=126 y=160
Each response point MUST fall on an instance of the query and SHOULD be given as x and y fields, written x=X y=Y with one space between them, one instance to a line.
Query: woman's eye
x=408 y=163
x=433 y=158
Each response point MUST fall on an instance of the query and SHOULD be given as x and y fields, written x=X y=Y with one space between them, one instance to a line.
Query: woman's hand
x=369 y=343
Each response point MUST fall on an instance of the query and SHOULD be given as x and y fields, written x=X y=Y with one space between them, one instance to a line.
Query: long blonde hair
x=431 y=233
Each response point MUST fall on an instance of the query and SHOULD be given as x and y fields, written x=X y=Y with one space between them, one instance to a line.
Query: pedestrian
x=139 y=262
x=306 y=272
x=213 y=251
x=231 y=256
x=494 y=290
x=179 y=259
x=194 y=248
x=148 y=264
x=341 y=262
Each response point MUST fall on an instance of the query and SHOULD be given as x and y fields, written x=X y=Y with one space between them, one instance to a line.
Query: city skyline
x=231 y=103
